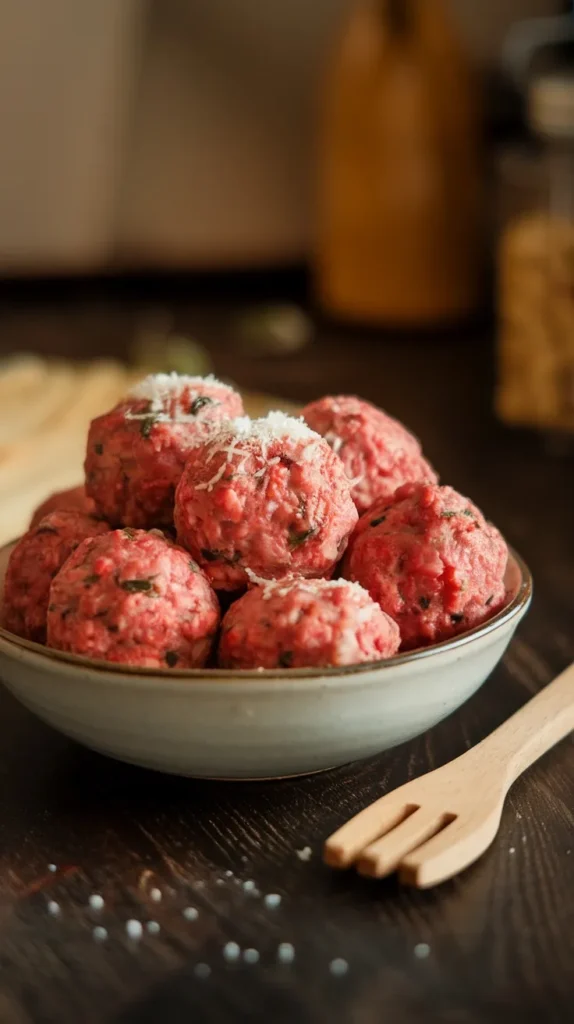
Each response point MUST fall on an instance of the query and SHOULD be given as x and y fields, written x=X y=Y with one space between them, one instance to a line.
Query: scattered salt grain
x=512 y=849
x=134 y=929
x=96 y=902
x=190 y=914
x=155 y=895
x=202 y=970
x=99 y=934
x=421 y=950
x=338 y=967
x=251 y=956
x=52 y=868
x=231 y=952
x=305 y=853
x=53 y=908
x=153 y=927
x=285 y=953
x=272 y=900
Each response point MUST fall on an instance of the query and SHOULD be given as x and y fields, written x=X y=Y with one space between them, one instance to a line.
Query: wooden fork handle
x=531 y=731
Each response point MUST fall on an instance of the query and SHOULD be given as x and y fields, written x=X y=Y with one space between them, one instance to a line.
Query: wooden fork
x=436 y=825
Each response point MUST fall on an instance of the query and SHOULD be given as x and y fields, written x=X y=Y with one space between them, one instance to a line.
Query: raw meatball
x=35 y=560
x=264 y=496
x=135 y=598
x=431 y=561
x=136 y=452
x=74 y=500
x=305 y=623
x=378 y=453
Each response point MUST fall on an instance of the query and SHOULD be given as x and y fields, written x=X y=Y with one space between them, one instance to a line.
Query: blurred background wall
x=172 y=133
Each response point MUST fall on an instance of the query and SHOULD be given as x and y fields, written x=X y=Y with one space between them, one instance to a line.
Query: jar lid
x=551 y=105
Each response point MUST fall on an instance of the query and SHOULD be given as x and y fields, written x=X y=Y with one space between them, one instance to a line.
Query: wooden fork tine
x=343 y=847
x=452 y=850
x=384 y=856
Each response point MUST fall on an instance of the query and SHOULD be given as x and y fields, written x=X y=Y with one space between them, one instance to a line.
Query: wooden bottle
x=399 y=177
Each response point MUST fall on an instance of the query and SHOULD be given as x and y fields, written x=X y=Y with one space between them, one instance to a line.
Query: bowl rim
x=187 y=677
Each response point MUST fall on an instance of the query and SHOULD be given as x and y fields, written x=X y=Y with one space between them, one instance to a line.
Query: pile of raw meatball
x=203 y=537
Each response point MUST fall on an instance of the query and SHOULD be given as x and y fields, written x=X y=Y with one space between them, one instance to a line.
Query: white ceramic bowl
x=239 y=725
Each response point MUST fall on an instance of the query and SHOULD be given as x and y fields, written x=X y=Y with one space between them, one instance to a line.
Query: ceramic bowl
x=267 y=724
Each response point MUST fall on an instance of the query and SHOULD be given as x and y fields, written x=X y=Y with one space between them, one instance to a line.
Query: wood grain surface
x=499 y=937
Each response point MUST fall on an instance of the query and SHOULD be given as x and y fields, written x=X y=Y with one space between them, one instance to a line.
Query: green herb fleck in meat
x=211 y=556
x=490 y=599
x=136 y=586
x=193 y=565
x=46 y=529
x=147 y=424
x=378 y=521
x=449 y=513
x=113 y=628
x=468 y=512
x=456 y=617
x=424 y=602
x=286 y=659
x=299 y=537
x=198 y=403
x=171 y=658
x=129 y=533
x=99 y=449
x=94 y=578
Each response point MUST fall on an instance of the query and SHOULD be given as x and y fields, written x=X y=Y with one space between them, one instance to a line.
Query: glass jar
x=536 y=272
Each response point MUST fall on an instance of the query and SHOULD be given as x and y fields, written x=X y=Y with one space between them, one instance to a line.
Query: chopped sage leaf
x=94 y=578
x=490 y=599
x=378 y=520
x=136 y=586
x=299 y=537
x=46 y=529
x=99 y=449
x=198 y=403
x=147 y=425
x=449 y=513
x=210 y=556
x=424 y=602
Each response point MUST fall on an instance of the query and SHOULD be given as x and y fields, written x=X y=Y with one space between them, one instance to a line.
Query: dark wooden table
x=501 y=936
